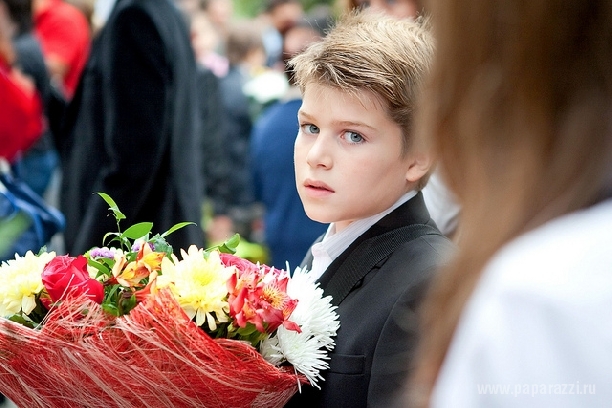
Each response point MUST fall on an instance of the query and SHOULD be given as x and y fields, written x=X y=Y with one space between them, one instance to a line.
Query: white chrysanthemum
x=199 y=285
x=21 y=282
x=306 y=351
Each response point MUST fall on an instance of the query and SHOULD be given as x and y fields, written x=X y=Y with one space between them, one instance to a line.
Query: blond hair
x=372 y=52
x=519 y=108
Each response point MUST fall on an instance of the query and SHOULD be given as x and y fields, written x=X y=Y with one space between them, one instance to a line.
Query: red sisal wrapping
x=153 y=357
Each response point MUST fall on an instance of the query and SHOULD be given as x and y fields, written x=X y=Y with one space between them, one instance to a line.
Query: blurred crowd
x=96 y=110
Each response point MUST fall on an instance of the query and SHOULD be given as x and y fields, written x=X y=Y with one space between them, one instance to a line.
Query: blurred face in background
x=187 y=6
x=204 y=36
x=295 y=40
x=286 y=15
x=7 y=27
x=220 y=12
x=395 y=8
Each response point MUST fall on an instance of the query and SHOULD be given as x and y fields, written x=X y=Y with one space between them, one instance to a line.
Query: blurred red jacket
x=21 y=114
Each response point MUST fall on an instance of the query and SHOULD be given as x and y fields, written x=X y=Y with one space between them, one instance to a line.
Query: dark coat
x=237 y=127
x=216 y=168
x=131 y=129
x=377 y=294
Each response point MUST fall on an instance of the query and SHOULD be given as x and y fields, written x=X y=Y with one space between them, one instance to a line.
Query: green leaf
x=256 y=338
x=99 y=266
x=39 y=312
x=112 y=206
x=247 y=330
x=110 y=309
x=137 y=230
x=19 y=319
x=131 y=256
x=229 y=246
x=161 y=245
x=111 y=293
x=116 y=235
x=126 y=304
x=176 y=227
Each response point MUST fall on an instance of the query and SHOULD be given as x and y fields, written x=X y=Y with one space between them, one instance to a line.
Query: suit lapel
x=367 y=255
x=407 y=222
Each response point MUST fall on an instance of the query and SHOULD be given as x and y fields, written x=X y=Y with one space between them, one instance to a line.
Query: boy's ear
x=420 y=164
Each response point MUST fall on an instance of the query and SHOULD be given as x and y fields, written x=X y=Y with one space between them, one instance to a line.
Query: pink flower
x=65 y=275
x=243 y=265
x=258 y=295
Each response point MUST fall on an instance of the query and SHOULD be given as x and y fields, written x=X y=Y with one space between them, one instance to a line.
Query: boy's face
x=348 y=161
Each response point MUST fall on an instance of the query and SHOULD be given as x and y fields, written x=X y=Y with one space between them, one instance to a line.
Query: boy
x=358 y=168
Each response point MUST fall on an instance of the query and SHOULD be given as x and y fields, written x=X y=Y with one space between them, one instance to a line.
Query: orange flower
x=132 y=274
x=148 y=290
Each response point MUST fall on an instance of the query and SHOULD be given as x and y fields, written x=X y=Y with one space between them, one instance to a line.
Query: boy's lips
x=317 y=185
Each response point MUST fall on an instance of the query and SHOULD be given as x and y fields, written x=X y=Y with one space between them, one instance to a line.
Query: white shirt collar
x=334 y=244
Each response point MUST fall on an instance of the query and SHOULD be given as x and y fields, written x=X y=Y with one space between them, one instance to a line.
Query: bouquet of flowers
x=135 y=325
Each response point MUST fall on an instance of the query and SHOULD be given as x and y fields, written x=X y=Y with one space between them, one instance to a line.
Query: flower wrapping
x=153 y=357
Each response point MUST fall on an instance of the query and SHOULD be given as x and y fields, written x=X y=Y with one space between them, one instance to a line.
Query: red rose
x=65 y=274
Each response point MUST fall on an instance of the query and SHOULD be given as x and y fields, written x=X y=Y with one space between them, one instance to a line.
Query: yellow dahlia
x=21 y=282
x=199 y=285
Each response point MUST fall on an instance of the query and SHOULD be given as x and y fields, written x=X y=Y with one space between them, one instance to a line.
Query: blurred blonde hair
x=372 y=52
x=519 y=107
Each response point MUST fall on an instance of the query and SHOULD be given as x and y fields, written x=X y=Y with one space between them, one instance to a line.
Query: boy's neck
x=336 y=227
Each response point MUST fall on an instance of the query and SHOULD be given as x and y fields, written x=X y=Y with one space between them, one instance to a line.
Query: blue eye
x=311 y=129
x=353 y=137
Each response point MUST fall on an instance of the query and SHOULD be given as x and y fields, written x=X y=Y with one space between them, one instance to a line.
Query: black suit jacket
x=377 y=294
x=131 y=129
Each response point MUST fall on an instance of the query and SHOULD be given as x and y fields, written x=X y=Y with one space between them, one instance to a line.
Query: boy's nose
x=319 y=154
